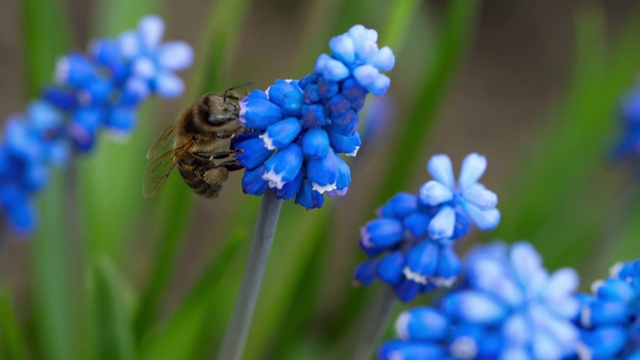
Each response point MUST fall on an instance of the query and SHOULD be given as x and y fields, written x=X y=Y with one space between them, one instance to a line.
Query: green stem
x=12 y=338
x=51 y=276
x=236 y=336
x=378 y=316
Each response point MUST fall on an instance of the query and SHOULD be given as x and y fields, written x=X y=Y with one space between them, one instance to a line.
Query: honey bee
x=201 y=135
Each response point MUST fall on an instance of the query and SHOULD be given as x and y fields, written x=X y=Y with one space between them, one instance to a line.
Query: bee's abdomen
x=197 y=183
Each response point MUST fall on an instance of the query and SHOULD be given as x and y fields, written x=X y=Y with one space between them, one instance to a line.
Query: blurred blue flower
x=508 y=307
x=101 y=90
x=610 y=318
x=304 y=125
x=629 y=144
x=377 y=120
x=30 y=143
x=418 y=232
x=104 y=88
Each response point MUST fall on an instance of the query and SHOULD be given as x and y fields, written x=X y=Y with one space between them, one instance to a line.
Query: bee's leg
x=231 y=165
x=206 y=155
x=224 y=134
x=223 y=154
x=202 y=155
x=231 y=133
x=204 y=167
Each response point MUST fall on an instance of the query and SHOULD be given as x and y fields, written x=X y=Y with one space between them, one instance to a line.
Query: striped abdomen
x=191 y=170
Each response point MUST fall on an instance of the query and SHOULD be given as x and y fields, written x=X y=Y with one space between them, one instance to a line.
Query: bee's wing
x=161 y=165
x=164 y=141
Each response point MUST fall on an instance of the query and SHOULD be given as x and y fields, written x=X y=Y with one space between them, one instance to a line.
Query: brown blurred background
x=514 y=72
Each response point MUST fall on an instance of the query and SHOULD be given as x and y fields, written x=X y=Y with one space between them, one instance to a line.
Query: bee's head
x=217 y=110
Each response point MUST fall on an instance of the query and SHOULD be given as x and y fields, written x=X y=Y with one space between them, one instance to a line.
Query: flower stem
x=377 y=320
x=236 y=337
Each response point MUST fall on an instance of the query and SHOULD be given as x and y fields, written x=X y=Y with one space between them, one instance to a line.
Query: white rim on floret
x=354 y=152
x=275 y=180
x=268 y=142
x=322 y=189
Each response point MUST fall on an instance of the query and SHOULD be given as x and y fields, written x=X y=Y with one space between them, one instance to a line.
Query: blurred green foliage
x=84 y=302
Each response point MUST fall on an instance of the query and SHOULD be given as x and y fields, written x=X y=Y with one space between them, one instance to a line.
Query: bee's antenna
x=236 y=87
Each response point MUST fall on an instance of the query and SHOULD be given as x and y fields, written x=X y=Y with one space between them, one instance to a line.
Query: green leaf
x=171 y=218
x=398 y=24
x=548 y=205
x=112 y=301
x=297 y=239
x=456 y=32
x=50 y=264
x=218 y=46
x=188 y=332
x=110 y=189
x=114 y=16
x=560 y=149
x=627 y=246
x=317 y=28
x=46 y=38
x=618 y=241
x=12 y=339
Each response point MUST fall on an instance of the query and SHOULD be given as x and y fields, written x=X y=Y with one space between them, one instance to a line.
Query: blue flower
x=465 y=199
x=509 y=307
x=610 y=318
x=417 y=232
x=101 y=90
x=308 y=123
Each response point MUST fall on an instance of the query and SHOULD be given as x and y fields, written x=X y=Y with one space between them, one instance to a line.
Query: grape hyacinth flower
x=296 y=130
x=509 y=307
x=610 y=318
x=417 y=232
x=301 y=126
x=100 y=90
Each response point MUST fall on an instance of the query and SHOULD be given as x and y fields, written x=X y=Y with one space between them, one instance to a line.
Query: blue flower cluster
x=418 y=232
x=610 y=318
x=105 y=87
x=300 y=126
x=629 y=145
x=100 y=90
x=508 y=307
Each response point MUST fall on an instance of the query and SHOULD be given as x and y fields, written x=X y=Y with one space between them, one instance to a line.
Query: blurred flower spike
x=418 y=232
x=629 y=144
x=508 y=307
x=105 y=88
x=301 y=126
x=610 y=318
x=100 y=90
